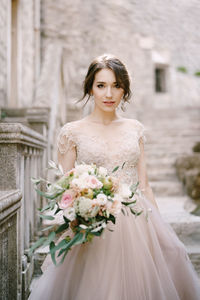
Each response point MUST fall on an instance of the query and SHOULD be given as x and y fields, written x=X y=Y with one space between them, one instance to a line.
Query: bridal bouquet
x=89 y=199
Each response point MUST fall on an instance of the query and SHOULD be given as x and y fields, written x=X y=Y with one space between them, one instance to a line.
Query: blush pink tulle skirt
x=141 y=260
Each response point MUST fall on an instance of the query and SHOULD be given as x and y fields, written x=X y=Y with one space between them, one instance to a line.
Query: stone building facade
x=20 y=52
x=158 y=41
x=22 y=150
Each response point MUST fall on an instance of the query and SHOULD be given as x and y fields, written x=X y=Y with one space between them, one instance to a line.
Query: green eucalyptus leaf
x=46 y=217
x=123 y=165
x=129 y=203
x=134 y=212
x=63 y=257
x=123 y=211
x=50 y=238
x=62 y=227
x=77 y=239
x=60 y=245
x=52 y=252
x=57 y=210
x=115 y=169
x=37 y=244
x=112 y=218
x=66 y=220
x=36 y=181
x=48 y=196
x=47 y=228
x=48 y=206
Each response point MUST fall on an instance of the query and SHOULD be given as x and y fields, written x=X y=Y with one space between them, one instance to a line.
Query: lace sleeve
x=141 y=132
x=65 y=140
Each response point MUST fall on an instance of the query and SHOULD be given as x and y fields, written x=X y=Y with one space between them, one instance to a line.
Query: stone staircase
x=170 y=134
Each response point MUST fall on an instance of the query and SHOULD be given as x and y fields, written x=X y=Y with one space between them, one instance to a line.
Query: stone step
x=171 y=142
x=179 y=129
x=167 y=188
x=185 y=224
x=163 y=174
x=156 y=164
x=194 y=255
x=160 y=154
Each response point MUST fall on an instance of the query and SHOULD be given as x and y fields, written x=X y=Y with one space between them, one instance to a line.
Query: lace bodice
x=107 y=146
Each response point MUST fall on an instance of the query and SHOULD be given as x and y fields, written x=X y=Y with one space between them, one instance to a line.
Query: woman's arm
x=67 y=159
x=142 y=176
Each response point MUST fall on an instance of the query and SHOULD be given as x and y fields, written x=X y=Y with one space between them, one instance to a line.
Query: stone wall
x=29 y=56
x=4 y=48
x=143 y=33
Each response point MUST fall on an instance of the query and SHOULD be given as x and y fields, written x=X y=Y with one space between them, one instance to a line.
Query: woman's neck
x=103 y=117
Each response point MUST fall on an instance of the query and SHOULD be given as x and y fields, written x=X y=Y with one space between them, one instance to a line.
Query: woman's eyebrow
x=105 y=82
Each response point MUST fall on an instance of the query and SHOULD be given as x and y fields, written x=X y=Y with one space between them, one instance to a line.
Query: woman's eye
x=117 y=85
x=100 y=86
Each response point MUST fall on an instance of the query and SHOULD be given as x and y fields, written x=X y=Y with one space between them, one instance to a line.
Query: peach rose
x=70 y=172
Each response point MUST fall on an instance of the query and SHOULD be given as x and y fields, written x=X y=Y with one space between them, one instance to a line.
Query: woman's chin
x=108 y=108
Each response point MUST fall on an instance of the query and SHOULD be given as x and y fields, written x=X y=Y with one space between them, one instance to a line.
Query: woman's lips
x=109 y=103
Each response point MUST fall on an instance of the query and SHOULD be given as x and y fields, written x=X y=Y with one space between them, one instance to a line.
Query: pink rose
x=93 y=182
x=67 y=199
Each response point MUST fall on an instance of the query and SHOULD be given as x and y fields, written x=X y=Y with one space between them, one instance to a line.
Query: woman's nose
x=108 y=92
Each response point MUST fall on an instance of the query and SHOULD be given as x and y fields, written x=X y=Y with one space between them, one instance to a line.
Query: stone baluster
x=22 y=156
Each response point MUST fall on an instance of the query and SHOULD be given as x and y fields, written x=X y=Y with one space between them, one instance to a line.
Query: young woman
x=142 y=258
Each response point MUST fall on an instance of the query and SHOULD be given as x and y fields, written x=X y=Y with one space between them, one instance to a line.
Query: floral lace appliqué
x=122 y=149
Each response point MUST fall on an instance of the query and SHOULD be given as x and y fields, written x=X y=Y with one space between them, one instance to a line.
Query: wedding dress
x=142 y=259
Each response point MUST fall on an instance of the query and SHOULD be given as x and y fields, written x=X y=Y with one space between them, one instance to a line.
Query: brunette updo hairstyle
x=107 y=61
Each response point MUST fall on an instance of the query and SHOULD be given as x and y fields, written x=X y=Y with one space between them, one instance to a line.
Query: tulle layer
x=141 y=260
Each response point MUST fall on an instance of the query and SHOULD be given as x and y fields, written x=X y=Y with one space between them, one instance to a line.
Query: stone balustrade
x=10 y=252
x=23 y=155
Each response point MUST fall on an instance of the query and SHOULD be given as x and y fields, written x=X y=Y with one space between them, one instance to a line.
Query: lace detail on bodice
x=94 y=146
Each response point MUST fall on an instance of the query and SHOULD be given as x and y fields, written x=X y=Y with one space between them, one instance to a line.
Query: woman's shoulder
x=66 y=137
x=69 y=127
x=137 y=127
x=133 y=123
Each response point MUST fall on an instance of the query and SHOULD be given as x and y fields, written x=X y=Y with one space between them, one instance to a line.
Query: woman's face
x=106 y=91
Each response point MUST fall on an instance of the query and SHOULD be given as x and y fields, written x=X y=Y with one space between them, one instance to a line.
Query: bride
x=142 y=259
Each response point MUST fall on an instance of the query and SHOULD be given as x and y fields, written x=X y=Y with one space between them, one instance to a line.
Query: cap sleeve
x=65 y=140
x=141 y=132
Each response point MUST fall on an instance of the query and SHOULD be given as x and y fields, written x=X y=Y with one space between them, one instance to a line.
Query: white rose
x=85 y=205
x=70 y=213
x=83 y=168
x=125 y=191
x=101 y=199
x=103 y=171
x=79 y=183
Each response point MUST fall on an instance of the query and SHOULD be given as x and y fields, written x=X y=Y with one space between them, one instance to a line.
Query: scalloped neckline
x=102 y=124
